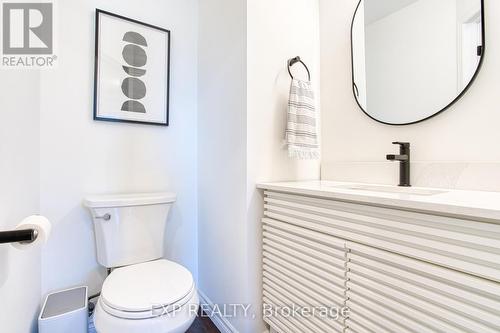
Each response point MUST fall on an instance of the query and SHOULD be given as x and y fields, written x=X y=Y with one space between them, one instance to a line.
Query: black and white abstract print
x=136 y=58
x=132 y=71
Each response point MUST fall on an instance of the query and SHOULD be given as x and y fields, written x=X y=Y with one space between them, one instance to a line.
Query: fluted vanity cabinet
x=393 y=293
x=396 y=268
x=306 y=268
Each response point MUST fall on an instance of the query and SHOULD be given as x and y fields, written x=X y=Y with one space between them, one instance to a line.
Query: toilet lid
x=146 y=286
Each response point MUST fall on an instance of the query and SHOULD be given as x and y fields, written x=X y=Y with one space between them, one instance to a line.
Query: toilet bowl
x=153 y=297
x=144 y=293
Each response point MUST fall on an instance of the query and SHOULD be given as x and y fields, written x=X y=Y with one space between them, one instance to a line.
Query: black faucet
x=404 y=162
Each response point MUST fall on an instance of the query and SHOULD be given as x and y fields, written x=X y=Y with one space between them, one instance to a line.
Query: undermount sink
x=389 y=189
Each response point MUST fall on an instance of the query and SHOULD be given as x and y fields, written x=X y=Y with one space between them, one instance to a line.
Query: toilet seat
x=151 y=313
x=172 y=323
x=147 y=290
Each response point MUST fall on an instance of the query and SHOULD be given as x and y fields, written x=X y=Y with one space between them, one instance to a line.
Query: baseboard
x=222 y=323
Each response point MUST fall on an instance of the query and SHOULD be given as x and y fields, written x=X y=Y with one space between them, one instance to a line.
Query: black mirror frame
x=354 y=87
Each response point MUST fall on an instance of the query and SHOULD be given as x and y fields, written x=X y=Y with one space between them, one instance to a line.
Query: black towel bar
x=18 y=236
x=295 y=60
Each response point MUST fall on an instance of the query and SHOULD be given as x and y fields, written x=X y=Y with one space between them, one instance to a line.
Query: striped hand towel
x=301 y=130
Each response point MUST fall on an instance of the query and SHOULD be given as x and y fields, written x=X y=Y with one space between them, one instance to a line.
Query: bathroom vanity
x=399 y=259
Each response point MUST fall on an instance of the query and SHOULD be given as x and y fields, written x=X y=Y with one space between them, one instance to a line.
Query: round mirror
x=412 y=59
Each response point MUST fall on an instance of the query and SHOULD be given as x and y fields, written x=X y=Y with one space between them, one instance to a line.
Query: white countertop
x=471 y=204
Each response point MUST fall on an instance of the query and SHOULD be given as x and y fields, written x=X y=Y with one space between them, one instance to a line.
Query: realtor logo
x=28 y=34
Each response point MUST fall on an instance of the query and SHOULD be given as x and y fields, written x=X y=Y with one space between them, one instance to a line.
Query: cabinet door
x=302 y=269
x=387 y=292
x=460 y=244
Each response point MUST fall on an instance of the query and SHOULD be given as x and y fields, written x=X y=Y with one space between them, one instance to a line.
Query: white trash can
x=65 y=311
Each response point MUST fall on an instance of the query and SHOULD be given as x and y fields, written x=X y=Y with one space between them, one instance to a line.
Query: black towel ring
x=295 y=60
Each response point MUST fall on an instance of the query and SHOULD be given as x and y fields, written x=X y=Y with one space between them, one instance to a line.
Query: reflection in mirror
x=414 y=58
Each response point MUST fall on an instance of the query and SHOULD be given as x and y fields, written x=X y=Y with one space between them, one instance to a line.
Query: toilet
x=144 y=293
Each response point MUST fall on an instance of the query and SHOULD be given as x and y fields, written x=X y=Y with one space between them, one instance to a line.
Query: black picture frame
x=96 y=115
x=464 y=91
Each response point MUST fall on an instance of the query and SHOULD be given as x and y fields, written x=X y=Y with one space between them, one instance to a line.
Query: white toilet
x=144 y=293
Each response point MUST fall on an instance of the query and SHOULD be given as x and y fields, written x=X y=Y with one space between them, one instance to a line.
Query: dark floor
x=203 y=324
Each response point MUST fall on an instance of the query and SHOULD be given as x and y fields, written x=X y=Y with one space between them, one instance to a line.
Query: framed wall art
x=132 y=71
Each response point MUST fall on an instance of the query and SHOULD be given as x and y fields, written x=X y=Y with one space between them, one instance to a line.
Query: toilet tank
x=129 y=228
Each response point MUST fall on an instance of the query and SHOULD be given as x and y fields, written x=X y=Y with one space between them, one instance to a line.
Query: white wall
x=19 y=192
x=243 y=92
x=457 y=149
x=271 y=42
x=80 y=156
x=223 y=259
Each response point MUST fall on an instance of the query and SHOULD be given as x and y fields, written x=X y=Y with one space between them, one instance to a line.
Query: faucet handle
x=404 y=148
